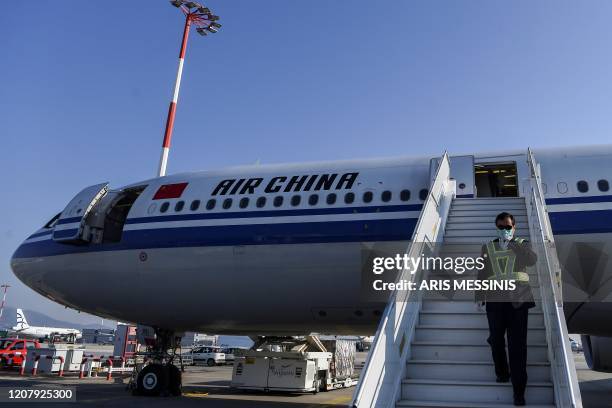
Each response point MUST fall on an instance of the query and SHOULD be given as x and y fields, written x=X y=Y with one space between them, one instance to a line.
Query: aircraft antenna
x=205 y=22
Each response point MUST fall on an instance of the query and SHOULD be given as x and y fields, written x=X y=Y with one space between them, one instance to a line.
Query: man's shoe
x=519 y=400
x=502 y=379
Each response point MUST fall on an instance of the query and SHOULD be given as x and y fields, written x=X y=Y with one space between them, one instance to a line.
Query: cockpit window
x=52 y=221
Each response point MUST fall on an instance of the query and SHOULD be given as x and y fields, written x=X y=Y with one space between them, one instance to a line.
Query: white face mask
x=505 y=235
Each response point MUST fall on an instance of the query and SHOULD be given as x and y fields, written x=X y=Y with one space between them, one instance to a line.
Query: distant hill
x=9 y=319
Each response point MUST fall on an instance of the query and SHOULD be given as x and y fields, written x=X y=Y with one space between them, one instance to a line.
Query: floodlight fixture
x=205 y=22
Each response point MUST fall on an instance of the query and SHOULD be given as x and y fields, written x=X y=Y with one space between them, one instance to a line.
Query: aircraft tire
x=152 y=380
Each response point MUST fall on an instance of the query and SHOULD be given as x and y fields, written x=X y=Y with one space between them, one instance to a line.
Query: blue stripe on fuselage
x=249 y=234
x=563 y=223
x=579 y=200
x=581 y=222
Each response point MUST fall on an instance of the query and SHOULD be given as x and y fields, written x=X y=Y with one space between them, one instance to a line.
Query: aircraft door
x=69 y=226
x=461 y=170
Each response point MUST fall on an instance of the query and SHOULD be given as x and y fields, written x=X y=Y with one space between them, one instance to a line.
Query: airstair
x=431 y=350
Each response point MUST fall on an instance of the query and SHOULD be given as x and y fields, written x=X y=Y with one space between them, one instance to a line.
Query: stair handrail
x=381 y=377
x=565 y=381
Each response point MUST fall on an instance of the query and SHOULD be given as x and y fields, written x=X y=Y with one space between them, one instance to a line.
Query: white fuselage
x=41 y=332
x=279 y=267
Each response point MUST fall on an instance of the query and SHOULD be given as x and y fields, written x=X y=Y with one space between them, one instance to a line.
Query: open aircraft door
x=69 y=226
x=461 y=170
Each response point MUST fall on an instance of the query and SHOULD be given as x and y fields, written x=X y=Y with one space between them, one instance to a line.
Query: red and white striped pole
x=163 y=161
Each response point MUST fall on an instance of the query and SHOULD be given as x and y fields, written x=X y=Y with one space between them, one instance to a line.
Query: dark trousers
x=504 y=320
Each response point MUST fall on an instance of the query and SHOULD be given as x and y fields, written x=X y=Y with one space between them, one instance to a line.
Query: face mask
x=505 y=235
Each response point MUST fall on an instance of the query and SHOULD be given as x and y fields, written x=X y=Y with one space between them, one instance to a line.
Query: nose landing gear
x=157 y=375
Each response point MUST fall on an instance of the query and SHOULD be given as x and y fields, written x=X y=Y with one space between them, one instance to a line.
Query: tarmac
x=209 y=387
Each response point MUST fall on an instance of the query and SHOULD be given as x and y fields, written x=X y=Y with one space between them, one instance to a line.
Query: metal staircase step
x=465 y=295
x=489 y=232
x=463 y=239
x=473 y=391
x=450 y=306
x=491 y=200
x=477 y=217
x=468 y=370
x=510 y=207
x=487 y=225
x=483 y=213
x=435 y=404
x=473 y=319
x=465 y=335
x=448 y=349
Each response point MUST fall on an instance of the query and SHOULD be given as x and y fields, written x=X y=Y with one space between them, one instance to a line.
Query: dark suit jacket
x=522 y=295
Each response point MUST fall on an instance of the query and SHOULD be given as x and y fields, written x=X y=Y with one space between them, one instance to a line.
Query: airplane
x=277 y=249
x=23 y=328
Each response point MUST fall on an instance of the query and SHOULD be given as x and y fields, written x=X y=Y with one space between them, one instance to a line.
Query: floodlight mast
x=204 y=20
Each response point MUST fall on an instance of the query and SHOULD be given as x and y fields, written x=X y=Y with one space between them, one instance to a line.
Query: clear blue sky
x=85 y=89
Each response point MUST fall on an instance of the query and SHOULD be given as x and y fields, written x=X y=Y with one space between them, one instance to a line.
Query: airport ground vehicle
x=16 y=349
x=230 y=354
x=208 y=355
x=576 y=347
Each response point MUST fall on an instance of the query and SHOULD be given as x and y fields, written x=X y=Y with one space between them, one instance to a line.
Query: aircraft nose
x=19 y=264
x=26 y=264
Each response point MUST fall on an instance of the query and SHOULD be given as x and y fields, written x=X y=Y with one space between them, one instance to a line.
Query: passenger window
x=278 y=201
x=227 y=203
x=211 y=204
x=244 y=202
x=195 y=204
x=349 y=198
x=179 y=206
x=562 y=187
x=164 y=207
x=386 y=196
x=582 y=186
x=331 y=198
x=603 y=185
x=295 y=200
x=367 y=196
x=423 y=194
x=261 y=201
x=405 y=195
x=313 y=199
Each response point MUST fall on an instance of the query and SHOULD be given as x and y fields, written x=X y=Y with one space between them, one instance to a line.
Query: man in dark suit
x=507 y=257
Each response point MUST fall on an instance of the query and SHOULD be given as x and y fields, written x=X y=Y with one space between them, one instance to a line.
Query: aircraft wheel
x=151 y=380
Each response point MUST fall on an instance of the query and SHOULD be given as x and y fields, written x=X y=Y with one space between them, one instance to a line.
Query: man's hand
x=481 y=306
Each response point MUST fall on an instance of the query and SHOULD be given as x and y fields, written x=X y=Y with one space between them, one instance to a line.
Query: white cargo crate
x=73 y=360
x=280 y=371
